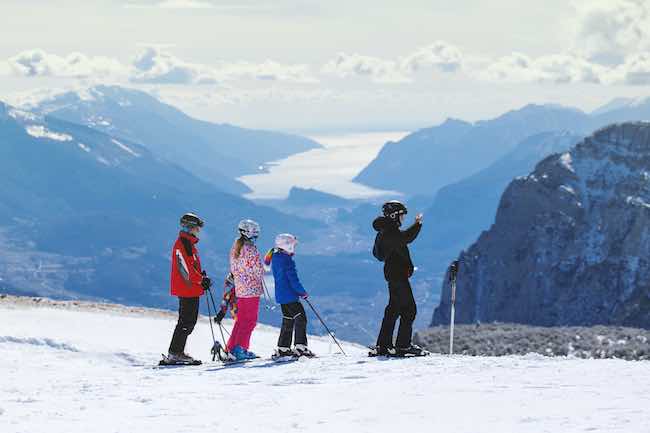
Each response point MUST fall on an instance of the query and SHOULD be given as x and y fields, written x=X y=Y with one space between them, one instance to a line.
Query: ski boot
x=411 y=351
x=239 y=353
x=283 y=353
x=250 y=355
x=382 y=351
x=179 y=359
x=302 y=350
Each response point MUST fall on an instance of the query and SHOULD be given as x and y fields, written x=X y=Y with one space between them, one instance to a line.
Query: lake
x=330 y=169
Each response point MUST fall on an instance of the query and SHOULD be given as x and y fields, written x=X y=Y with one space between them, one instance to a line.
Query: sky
x=336 y=65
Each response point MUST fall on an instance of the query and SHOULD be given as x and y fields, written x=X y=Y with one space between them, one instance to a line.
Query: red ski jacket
x=186 y=268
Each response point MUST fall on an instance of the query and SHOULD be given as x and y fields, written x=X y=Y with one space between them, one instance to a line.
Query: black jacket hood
x=381 y=223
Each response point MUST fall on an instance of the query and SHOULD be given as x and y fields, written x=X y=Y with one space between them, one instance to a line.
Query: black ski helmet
x=393 y=209
x=190 y=220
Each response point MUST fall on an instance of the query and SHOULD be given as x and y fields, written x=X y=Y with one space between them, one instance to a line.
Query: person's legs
x=188 y=313
x=391 y=313
x=249 y=309
x=408 y=311
x=288 y=320
x=300 y=325
x=236 y=331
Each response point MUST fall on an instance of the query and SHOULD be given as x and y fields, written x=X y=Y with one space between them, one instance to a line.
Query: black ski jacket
x=398 y=265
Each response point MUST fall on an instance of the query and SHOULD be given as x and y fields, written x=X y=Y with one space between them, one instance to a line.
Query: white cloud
x=267 y=71
x=157 y=66
x=378 y=70
x=607 y=31
x=34 y=63
x=635 y=71
x=556 y=68
x=439 y=55
x=153 y=65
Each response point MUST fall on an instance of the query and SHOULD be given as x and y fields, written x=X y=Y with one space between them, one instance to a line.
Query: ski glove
x=220 y=315
x=206 y=283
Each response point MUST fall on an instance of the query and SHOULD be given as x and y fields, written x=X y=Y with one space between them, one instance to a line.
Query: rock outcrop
x=570 y=244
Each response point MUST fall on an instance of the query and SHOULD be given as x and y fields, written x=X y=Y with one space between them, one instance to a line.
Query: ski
x=240 y=361
x=260 y=361
x=373 y=354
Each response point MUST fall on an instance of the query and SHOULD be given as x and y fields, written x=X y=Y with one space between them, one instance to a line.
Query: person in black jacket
x=391 y=246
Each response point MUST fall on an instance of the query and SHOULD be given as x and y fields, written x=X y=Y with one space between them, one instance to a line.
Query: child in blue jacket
x=288 y=291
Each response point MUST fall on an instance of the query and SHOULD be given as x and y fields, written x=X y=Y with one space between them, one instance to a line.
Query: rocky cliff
x=570 y=244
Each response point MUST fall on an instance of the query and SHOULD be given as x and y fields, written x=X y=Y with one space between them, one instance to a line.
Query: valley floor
x=69 y=368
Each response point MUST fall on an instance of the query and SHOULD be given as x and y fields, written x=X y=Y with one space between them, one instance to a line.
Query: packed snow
x=86 y=369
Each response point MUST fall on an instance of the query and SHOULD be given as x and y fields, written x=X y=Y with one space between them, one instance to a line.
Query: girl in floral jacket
x=248 y=272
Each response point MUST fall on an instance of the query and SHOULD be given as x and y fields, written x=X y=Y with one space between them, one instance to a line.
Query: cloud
x=378 y=70
x=635 y=71
x=607 y=31
x=439 y=55
x=267 y=71
x=556 y=68
x=38 y=63
x=155 y=66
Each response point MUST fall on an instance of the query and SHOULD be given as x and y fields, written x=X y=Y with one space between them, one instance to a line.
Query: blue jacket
x=288 y=287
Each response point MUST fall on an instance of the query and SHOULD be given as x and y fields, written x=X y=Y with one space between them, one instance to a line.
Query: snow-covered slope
x=81 y=369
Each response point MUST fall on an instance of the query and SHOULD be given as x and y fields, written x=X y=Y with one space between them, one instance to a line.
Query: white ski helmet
x=249 y=229
x=286 y=242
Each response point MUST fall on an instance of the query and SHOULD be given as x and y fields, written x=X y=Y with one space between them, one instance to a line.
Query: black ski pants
x=401 y=304
x=294 y=321
x=188 y=313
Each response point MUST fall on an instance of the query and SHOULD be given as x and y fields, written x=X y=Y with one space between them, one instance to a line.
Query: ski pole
x=214 y=340
x=325 y=326
x=221 y=327
x=453 y=271
x=268 y=296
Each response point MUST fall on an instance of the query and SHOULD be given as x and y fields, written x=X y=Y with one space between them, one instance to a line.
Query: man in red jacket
x=188 y=282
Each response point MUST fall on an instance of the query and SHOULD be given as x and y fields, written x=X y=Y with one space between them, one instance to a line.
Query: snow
x=566 y=161
x=125 y=148
x=637 y=201
x=40 y=131
x=78 y=370
x=23 y=115
x=568 y=189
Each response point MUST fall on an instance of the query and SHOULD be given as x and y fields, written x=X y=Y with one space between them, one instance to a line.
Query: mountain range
x=570 y=242
x=86 y=213
x=428 y=159
x=462 y=210
x=217 y=153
